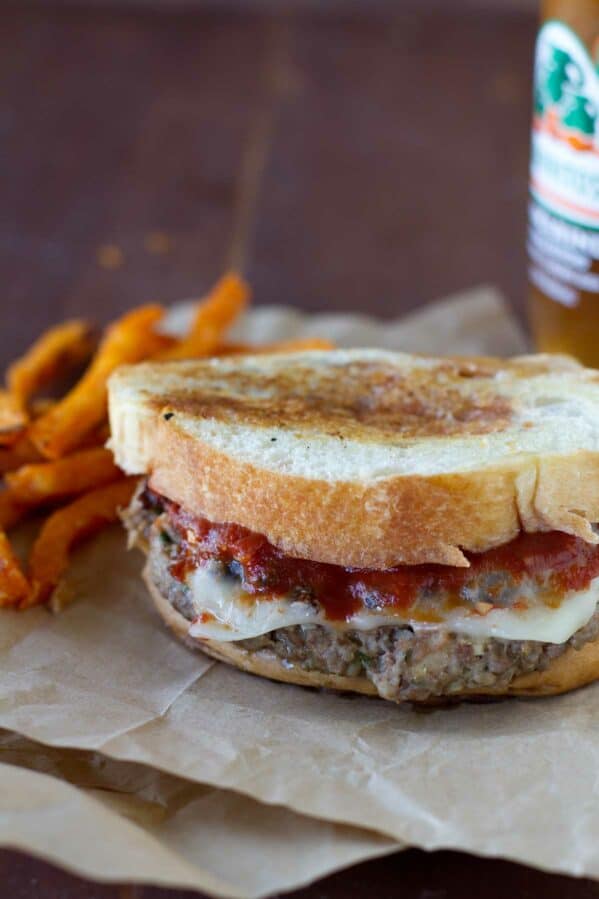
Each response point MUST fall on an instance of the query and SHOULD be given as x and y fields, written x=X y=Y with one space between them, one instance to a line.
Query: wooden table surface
x=345 y=161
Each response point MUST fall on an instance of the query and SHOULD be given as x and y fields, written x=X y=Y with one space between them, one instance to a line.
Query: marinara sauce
x=554 y=562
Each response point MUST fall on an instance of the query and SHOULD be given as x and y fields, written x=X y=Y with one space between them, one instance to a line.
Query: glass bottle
x=563 y=233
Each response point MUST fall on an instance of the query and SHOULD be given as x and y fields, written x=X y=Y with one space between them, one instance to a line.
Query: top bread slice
x=368 y=458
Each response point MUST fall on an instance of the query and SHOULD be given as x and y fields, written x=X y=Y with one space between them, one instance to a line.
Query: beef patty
x=402 y=663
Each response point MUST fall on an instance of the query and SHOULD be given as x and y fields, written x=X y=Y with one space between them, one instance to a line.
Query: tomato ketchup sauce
x=554 y=562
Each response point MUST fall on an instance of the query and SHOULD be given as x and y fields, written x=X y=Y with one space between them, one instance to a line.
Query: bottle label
x=564 y=169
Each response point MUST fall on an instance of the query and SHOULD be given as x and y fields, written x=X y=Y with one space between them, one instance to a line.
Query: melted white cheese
x=225 y=612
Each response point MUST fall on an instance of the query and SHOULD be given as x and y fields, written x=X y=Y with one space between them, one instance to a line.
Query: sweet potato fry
x=13 y=583
x=97 y=437
x=13 y=418
x=12 y=510
x=65 y=528
x=21 y=453
x=50 y=481
x=298 y=345
x=65 y=426
x=227 y=299
x=55 y=353
x=40 y=406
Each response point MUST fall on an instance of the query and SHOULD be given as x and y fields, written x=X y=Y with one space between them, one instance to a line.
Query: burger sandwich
x=409 y=527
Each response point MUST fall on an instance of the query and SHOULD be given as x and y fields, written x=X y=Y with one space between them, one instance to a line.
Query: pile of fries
x=52 y=454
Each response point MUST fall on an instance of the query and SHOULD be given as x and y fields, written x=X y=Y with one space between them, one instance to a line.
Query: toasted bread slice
x=368 y=458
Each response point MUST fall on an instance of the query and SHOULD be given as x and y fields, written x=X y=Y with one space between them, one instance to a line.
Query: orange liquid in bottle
x=563 y=237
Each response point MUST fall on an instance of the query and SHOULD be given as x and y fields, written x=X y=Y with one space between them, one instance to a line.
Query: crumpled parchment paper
x=514 y=778
x=119 y=821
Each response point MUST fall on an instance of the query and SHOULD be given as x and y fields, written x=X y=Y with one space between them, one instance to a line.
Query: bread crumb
x=63 y=595
x=110 y=256
x=483 y=607
x=157 y=242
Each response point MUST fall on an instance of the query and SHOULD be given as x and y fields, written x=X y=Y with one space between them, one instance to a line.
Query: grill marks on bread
x=365 y=401
x=446 y=455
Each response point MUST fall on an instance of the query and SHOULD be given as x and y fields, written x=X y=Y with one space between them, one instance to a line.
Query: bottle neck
x=582 y=16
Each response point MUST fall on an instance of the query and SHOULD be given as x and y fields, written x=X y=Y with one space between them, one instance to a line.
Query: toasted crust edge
x=411 y=519
x=399 y=520
x=574 y=669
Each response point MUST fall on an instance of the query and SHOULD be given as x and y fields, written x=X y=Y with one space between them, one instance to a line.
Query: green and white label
x=565 y=140
x=564 y=168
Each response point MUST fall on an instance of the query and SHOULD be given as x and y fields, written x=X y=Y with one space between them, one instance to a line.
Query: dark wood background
x=370 y=158
x=347 y=161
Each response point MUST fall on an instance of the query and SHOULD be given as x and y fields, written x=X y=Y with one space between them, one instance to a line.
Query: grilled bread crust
x=366 y=458
x=573 y=669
